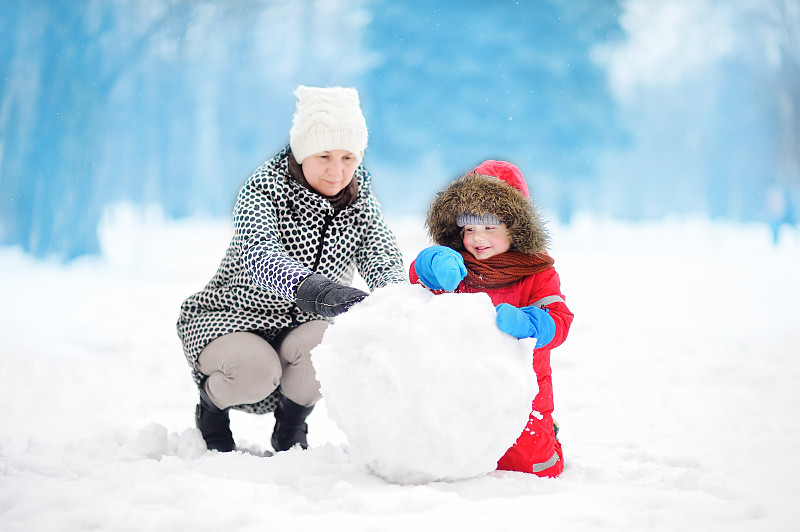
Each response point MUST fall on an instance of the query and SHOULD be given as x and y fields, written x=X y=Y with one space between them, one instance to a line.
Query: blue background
x=634 y=110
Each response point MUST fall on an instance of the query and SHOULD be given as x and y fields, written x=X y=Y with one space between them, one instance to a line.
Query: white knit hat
x=327 y=119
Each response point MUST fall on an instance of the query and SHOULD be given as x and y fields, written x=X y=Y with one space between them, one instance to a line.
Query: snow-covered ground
x=676 y=394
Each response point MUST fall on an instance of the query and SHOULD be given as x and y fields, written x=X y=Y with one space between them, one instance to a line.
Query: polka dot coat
x=282 y=233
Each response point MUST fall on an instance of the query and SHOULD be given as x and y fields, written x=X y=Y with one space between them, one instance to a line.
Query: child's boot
x=290 y=424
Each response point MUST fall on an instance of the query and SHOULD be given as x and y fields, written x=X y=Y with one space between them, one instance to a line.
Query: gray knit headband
x=463 y=219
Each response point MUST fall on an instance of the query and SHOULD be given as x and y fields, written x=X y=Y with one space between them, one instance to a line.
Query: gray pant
x=244 y=368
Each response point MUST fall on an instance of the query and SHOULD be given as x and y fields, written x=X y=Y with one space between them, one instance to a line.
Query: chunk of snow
x=425 y=387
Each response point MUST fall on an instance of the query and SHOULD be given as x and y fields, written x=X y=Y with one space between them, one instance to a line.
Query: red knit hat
x=505 y=172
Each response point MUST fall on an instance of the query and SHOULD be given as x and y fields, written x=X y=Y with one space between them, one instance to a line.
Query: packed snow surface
x=425 y=387
x=676 y=393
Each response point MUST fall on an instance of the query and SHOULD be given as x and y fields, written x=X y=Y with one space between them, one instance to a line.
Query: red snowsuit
x=536 y=450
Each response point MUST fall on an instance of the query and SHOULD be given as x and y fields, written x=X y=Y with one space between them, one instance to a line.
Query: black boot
x=214 y=424
x=290 y=425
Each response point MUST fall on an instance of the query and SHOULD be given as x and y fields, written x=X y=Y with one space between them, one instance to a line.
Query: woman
x=303 y=222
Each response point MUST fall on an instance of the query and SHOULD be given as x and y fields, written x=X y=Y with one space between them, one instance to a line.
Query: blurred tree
x=474 y=80
x=634 y=109
x=172 y=103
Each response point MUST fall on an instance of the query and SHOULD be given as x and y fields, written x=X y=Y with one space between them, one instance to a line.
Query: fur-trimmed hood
x=504 y=194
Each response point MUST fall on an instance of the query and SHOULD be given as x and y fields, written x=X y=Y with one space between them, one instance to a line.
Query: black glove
x=317 y=294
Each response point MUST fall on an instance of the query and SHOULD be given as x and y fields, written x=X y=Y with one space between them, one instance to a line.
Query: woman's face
x=328 y=172
x=484 y=241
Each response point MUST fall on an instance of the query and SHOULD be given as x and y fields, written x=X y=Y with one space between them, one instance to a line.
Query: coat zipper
x=327 y=222
x=325 y=225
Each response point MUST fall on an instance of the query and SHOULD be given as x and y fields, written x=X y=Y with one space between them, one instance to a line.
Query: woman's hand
x=440 y=268
x=316 y=294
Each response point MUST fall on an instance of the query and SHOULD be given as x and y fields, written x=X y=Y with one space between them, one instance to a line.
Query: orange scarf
x=504 y=269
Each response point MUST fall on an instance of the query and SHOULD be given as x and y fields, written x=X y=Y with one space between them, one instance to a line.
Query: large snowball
x=425 y=387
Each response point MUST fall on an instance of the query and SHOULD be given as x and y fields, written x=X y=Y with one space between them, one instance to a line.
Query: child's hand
x=440 y=268
x=526 y=322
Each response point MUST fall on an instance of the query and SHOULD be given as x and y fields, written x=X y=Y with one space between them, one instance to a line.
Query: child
x=491 y=239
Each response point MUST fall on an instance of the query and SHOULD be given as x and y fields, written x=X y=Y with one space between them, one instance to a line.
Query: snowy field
x=676 y=393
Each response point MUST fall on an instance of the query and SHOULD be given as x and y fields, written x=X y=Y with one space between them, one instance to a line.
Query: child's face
x=485 y=241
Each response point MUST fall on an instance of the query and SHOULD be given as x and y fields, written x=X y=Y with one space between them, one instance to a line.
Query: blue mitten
x=440 y=268
x=526 y=322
